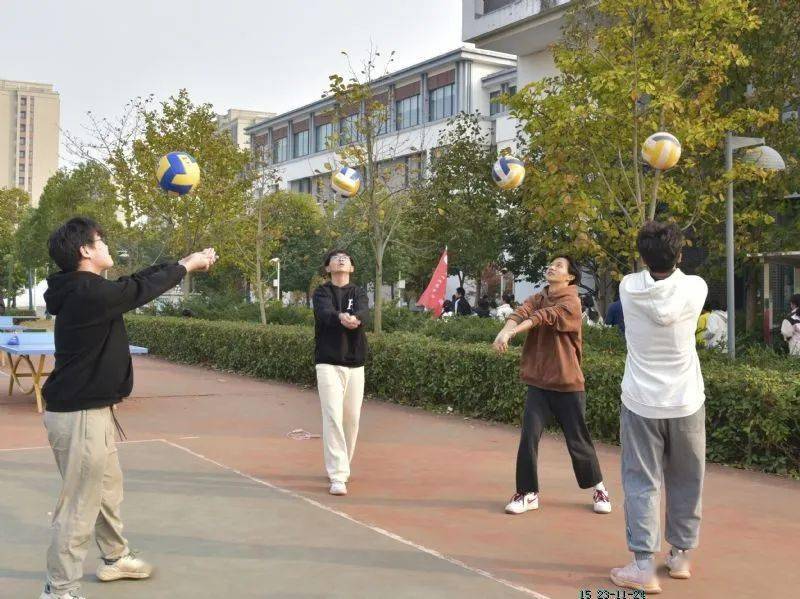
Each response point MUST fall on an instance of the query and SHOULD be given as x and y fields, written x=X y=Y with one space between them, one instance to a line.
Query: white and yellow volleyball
x=178 y=173
x=346 y=181
x=508 y=172
x=661 y=150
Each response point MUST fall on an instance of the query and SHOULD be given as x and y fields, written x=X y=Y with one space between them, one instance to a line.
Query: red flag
x=433 y=297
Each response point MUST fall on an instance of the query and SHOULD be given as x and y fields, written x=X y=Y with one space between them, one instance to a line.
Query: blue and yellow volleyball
x=661 y=150
x=346 y=181
x=508 y=172
x=178 y=173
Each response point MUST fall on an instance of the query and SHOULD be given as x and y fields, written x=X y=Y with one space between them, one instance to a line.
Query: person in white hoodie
x=662 y=417
x=790 y=327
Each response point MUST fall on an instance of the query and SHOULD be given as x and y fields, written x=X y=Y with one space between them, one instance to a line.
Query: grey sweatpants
x=91 y=494
x=672 y=450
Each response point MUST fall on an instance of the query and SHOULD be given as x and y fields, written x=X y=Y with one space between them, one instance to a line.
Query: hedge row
x=753 y=413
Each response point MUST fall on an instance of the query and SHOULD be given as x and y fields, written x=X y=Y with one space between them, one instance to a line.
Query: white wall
x=533 y=67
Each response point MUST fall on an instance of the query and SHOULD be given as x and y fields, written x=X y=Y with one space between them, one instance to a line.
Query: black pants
x=569 y=409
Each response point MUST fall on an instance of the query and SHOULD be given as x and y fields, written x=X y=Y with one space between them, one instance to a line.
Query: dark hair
x=660 y=245
x=572 y=267
x=508 y=298
x=65 y=243
x=460 y=291
x=795 y=299
x=333 y=253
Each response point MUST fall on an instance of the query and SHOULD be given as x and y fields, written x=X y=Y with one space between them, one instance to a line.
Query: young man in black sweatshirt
x=92 y=373
x=340 y=311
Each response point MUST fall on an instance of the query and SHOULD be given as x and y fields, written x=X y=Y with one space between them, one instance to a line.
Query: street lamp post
x=277 y=281
x=764 y=157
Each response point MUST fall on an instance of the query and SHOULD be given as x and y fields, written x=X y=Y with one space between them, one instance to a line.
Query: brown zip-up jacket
x=551 y=356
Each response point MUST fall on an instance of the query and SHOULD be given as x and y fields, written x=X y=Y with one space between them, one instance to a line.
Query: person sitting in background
x=447 y=309
x=615 y=316
x=2 y=307
x=461 y=306
x=790 y=327
x=702 y=326
x=589 y=314
x=712 y=327
x=505 y=309
x=483 y=310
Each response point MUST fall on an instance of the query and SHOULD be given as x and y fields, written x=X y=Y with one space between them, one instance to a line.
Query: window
x=22 y=180
x=300 y=145
x=279 y=149
x=22 y=153
x=495 y=107
x=441 y=102
x=23 y=101
x=348 y=129
x=21 y=166
x=407 y=112
x=22 y=141
x=321 y=135
x=301 y=185
x=22 y=127
x=23 y=115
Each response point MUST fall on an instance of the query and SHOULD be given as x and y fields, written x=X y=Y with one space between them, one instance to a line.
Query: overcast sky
x=261 y=55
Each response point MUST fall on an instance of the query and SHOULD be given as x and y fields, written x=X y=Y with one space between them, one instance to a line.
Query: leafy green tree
x=629 y=68
x=129 y=149
x=359 y=142
x=14 y=203
x=460 y=207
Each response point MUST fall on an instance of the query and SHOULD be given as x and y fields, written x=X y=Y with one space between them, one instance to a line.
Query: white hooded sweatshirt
x=662 y=371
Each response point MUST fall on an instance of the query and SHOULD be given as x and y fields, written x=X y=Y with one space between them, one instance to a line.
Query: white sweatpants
x=341 y=391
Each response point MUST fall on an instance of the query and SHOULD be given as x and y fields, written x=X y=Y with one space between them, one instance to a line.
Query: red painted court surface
x=225 y=504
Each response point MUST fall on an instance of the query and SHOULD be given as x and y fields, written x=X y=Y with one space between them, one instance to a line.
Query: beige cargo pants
x=91 y=493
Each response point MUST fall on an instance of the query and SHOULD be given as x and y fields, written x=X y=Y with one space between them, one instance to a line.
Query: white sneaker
x=338 y=488
x=678 y=565
x=602 y=502
x=523 y=502
x=47 y=593
x=129 y=566
x=631 y=577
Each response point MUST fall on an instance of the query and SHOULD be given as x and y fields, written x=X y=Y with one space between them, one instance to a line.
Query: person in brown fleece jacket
x=551 y=367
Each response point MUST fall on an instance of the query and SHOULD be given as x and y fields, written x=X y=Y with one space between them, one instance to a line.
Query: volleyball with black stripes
x=508 y=172
x=178 y=173
x=661 y=150
x=346 y=181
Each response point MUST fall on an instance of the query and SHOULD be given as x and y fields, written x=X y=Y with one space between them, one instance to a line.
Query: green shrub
x=19 y=312
x=753 y=411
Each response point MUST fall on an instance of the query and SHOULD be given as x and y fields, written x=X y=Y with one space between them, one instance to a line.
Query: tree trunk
x=751 y=300
x=260 y=286
x=378 y=320
x=186 y=286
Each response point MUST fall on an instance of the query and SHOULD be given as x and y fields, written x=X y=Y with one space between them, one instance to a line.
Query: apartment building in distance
x=420 y=99
x=29 y=135
x=236 y=121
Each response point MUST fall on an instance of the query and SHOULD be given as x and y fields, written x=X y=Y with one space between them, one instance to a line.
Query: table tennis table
x=33 y=345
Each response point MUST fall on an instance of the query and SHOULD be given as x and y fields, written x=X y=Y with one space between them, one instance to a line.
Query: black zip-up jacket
x=93 y=363
x=333 y=342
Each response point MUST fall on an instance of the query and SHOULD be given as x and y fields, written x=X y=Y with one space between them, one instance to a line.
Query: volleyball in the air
x=178 y=173
x=346 y=181
x=508 y=172
x=661 y=150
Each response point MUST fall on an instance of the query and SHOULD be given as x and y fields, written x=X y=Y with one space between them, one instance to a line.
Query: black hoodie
x=93 y=363
x=334 y=343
